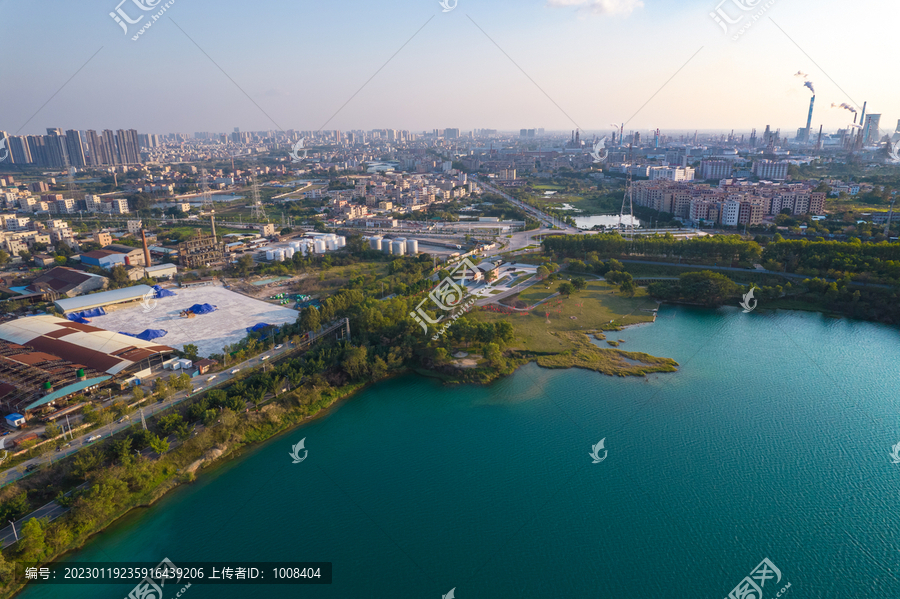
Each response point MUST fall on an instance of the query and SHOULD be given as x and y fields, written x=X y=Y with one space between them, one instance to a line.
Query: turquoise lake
x=773 y=440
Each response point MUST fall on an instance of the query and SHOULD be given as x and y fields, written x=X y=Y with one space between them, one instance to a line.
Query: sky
x=409 y=64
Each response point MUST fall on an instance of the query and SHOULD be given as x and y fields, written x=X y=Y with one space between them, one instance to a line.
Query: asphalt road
x=150 y=406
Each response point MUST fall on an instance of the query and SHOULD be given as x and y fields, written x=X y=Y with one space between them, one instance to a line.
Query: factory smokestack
x=812 y=102
x=819 y=142
x=146 y=250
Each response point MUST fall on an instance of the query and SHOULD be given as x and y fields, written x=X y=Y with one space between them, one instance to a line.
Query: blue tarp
x=202 y=308
x=258 y=326
x=160 y=292
x=147 y=335
x=80 y=316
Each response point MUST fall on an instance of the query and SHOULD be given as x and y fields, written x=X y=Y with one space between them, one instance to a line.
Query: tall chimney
x=812 y=101
x=146 y=250
x=212 y=222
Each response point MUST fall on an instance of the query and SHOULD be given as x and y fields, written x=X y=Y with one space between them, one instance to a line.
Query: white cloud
x=600 y=7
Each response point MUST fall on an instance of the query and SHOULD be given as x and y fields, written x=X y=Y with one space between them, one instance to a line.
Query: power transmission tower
x=70 y=174
x=205 y=196
x=143 y=422
x=628 y=197
x=258 y=212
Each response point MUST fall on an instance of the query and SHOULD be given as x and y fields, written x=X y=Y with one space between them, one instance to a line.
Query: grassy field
x=587 y=311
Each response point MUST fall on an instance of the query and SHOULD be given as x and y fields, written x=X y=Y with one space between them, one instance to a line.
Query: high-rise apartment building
x=75 y=148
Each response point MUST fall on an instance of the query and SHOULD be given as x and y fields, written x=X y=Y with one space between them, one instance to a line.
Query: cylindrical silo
x=319 y=245
x=398 y=246
x=288 y=253
x=279 y=255
x=331 y=243
x=341 y=241
x=412 y=246
x=375 y=242
x=270 y=255
x=386 y=246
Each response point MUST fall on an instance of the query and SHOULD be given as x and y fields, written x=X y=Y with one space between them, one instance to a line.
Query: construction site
x=202 y=251
x=208 y=317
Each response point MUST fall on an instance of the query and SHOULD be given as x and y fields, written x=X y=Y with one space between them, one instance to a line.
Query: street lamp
x=14 y=530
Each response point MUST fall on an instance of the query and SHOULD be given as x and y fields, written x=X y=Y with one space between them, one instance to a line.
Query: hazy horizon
x=405 y=64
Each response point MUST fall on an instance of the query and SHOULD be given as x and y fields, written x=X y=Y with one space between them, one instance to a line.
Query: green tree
x=542 y=272
x=354 y=363
x=245 y=265
x=309 y=319
x=566 y=288
x=190 y=351
x=159 y=444
x=170 y=422
x=4 y=257
x=51 y=430
x=31 y=541
x=579 y=283
x=494 y=356
x=137 y=393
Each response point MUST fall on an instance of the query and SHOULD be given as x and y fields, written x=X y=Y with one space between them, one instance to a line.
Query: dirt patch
x=213 y=454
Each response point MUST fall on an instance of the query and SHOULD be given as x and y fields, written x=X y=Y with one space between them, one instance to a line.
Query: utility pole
x=14 y=530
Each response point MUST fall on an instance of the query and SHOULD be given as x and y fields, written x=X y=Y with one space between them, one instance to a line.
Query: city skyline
x=416 y=68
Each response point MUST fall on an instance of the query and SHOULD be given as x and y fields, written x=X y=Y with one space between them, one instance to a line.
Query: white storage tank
x=375 y=242
x=279 y=255
x=341 y=241
x=319 y=246
x=398 y=246
x=304 y=248
x=288 y=253
x=295 y=245
x=386 y=246
x=331 y=242
x=412 y=246
x=270 y=255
